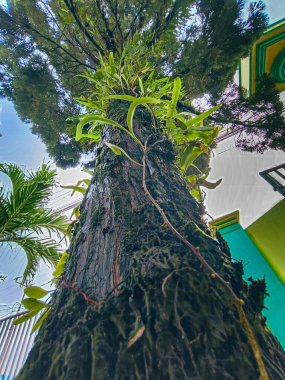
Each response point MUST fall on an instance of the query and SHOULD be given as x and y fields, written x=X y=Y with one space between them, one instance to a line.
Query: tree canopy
x=47 y=45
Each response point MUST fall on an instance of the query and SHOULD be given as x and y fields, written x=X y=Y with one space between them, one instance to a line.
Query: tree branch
x=115 y=14
x=82 y=28
x=28 y=26
x=110 y=42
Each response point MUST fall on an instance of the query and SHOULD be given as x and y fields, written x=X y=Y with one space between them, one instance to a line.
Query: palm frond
x=46 y=249
x=27 y=197
x=4 y=207
x=46 y=220
x=35 y=190
x=15 y=173
x=44 y=179
x=24 y=218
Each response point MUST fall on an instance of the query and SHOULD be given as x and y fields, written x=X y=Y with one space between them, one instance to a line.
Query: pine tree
x=201 y=41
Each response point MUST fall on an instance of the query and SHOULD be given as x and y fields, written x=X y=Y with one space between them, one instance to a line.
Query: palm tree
x=24 y=216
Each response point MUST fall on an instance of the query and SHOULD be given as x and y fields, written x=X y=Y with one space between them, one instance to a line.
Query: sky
x=20 y=146
x=242 y=188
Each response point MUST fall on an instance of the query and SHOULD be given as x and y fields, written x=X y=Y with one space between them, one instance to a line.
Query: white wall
x=242 y=187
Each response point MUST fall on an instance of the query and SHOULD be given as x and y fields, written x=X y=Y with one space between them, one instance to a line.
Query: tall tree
x=202 y=41
x=147 y=292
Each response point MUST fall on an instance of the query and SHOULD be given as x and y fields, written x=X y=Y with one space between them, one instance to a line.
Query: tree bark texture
x=155 y=312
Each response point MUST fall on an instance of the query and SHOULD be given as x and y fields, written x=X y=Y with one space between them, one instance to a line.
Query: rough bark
x=158 y=314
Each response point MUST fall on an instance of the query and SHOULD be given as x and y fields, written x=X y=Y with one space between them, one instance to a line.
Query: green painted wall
x=255 y=266
x=268 y=234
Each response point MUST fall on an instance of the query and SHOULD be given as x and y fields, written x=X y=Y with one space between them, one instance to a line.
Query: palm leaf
x=15 y=173
x=48 y=221
x=23 y=217
x=46 y=249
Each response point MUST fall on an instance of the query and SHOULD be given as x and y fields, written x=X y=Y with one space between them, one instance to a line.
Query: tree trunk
x=134 y=303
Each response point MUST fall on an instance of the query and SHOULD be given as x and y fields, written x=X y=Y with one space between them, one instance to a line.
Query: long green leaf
x=33 y=304
x=40 y=321
x=198 y=119
x=128 y=98
x=60 y=265
x=140 y=101
x=90 y=172
x=24 y=318
x=79 y=189
x=46 y=249
x=87 y=119
x=184 y=155
x=89 y=103
x=119 y=152
x=130 y=116
x=24 y=217
x=176 y=91
x=196 y=152
x=76 y=213
x=188 y=156
x=111 y=59
x=35 y=292
x=141 y=86
x=174 y=99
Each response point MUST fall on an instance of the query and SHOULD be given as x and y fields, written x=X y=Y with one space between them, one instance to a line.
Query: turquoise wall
x=255 y=266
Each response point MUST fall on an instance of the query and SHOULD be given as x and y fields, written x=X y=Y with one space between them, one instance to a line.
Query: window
x=276 y=177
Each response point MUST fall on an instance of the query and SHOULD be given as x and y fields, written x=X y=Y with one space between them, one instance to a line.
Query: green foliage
x=98 y=119
x=33 y=305
x=35 y=292
x=37 y=99
x=223 y=32
x=173 y=104
x=40 y=320
x=77 y=187
x=260 y=116
x=80 y=187
x=24 y=216
x=209 y=185
x=47 y=49
x=119 y=152
x=60 y=265
x=190 y=136
x=24 y=318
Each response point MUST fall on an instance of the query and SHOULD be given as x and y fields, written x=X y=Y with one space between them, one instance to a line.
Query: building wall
x=255 y=266
x=268 y=234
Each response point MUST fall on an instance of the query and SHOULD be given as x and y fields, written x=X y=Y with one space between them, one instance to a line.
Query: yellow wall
x=244 y=72
x=268 y=234
x=270 y=56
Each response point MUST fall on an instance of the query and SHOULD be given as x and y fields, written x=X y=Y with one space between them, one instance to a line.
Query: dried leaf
x=136 y=337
